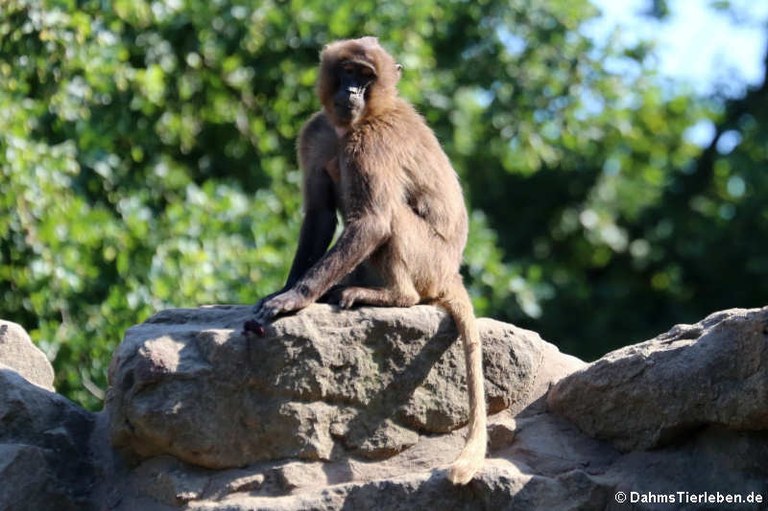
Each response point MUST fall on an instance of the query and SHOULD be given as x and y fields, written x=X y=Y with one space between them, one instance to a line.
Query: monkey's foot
x=379 y=297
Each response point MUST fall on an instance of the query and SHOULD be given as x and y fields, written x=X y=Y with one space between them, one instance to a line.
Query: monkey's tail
x=472 y=456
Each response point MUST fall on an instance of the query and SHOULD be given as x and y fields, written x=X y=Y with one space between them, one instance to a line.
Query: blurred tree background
x=147 y=161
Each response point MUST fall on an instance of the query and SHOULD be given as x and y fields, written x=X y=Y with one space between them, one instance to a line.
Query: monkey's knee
x=405 y=297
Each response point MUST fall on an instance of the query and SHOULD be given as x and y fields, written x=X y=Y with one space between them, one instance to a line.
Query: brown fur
x=403 y=212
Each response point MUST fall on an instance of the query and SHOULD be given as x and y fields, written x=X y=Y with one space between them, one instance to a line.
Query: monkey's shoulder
x=406 y=120
x=396 y=131
x=319 y=125
x=317 y=143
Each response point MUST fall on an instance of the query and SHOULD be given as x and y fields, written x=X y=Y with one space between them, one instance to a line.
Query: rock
x=714 y=460
x=321 y=385
x=501 y=431
x=550 y=466
x=18 y=353
x=497 y=489
x=168 y=481
x=347 y=409
x=292 y=476
x=24 y=485
x=650 y=394
x=45 y=459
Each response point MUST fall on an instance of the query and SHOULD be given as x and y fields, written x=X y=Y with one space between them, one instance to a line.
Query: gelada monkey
x=370 y=156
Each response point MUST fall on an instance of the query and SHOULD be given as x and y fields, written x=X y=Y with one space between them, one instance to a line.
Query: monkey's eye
x=366 y=72
x=348 y=69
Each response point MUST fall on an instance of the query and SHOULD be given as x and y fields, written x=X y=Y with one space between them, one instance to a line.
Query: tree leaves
x=147 y=161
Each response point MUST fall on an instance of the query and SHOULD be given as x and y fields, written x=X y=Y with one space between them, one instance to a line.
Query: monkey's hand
x=260 y=303
x=287 y=301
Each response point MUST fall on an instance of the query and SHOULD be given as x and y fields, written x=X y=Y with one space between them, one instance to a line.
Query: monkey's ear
x=399 y=70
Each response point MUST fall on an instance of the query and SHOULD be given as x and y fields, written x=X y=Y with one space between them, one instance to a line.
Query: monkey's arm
x=317 y=146
x=318 y=226
x=368 y=227
x=317 y=229
x=357 y=242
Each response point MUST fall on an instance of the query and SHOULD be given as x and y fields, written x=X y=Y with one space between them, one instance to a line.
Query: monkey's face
x=358 y=79
x=353 y=78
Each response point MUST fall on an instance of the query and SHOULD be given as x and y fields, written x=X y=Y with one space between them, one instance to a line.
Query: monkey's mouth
x=350 y=107
x=347 y=113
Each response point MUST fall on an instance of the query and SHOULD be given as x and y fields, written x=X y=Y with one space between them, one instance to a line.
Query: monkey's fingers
x=260 y=304
x=347 y=300
x=259 y=307
x=265 y=312
x=284 y=302
x=262 y=310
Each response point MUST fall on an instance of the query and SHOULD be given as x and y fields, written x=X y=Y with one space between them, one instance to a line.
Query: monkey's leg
x=357 y=241
x=398 y=289
x=381 y=297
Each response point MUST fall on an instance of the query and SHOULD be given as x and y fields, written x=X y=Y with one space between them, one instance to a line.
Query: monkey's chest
x=347 y=193
x=349 y=187
x=355 y=194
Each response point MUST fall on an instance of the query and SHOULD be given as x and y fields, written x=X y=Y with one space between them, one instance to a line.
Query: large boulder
x=714 y=372
x=45 y=458
x=18 y=353
x=338 y=410
x=321 y=385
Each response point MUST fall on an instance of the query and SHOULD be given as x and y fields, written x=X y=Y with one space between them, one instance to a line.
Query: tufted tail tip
x=469 y=462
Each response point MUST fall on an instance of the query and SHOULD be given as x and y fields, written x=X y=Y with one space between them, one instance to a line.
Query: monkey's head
x=358 y=78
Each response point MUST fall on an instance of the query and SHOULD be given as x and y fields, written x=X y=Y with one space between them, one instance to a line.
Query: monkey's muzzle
x=350 y=103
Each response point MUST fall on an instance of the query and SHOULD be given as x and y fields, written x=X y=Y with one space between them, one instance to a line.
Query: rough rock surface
x=646 y=395
x=45 y=462
x=18 y=353
x=386 y=440
x=320 y=386
x=45 y=459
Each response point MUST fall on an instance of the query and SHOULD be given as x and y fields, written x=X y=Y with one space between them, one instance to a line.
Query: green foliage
x=147 y=161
